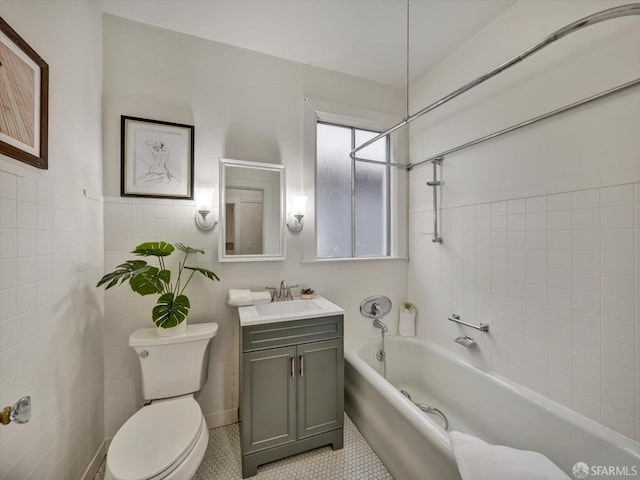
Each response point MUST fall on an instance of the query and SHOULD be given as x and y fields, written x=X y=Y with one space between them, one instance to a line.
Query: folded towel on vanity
x=238 y=296
x=243 y=297
x=479 y=460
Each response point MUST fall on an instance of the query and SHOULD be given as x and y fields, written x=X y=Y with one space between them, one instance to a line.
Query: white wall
x=244 y=105
x=50 y=256
x=541 y=227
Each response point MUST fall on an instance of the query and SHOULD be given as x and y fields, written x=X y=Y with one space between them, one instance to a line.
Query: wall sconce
x=206 y=216
x=295 y=217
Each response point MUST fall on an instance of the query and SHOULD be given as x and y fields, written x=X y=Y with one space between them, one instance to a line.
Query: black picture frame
x=156 y=158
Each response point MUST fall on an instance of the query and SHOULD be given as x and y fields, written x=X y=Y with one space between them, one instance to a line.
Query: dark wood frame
x=11 y=150
x=123 y=159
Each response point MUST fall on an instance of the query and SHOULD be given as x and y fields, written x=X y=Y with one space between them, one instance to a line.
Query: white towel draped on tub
x=243 y=297
x=479 y=460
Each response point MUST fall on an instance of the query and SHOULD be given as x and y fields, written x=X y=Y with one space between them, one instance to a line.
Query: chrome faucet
x=282 y=294
x=376 y=311
x=273 y=291
x=381 y=325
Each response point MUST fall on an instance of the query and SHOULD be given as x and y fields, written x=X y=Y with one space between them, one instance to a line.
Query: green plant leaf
x=165 y=276
x=124 y=271
x=170 y=310
x=188 y=250
x=153 y=249
x=207 y=273
x=148 y=282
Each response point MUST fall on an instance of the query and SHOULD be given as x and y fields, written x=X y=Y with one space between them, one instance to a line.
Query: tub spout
x=381 y=325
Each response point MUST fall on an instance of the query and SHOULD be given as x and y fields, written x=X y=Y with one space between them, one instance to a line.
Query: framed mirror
x=252 y=216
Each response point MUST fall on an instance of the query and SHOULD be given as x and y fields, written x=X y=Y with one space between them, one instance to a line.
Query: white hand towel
x=479 y=460
x=239 y=296
x=260 y=297
x=245 y=297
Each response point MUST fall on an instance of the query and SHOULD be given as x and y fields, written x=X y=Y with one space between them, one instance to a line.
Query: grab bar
x=483 y=327
x=435 y=183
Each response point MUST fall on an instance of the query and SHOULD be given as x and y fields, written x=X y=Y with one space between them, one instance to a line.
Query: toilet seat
x=156 y=440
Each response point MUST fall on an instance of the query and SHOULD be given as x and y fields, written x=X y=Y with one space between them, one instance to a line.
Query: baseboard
x=219 y=419
x=92 y=469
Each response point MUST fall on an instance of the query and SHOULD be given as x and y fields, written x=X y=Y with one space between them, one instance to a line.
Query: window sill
x=355 y=259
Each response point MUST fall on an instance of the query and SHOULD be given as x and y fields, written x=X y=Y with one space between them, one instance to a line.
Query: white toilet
x=166 y=439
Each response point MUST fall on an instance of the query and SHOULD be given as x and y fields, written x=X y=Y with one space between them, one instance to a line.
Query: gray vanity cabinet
x=320 y=392
x=269 y=398
x=292 y=387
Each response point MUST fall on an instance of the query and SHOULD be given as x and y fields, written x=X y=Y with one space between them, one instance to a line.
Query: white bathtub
x=413 y=445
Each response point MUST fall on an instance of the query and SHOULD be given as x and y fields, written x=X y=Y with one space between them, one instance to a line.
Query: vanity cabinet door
x=320 y=387
x=268 y=398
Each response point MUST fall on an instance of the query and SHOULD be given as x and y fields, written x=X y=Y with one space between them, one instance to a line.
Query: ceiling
x=364 y=38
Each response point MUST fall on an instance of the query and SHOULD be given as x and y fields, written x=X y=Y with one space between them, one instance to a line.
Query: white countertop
x=284 y=311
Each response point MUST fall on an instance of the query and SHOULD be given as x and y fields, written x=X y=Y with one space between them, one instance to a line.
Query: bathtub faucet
x=376 y=307
x=381 y=325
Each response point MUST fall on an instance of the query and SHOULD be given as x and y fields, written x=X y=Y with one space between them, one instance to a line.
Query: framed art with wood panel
x=24 y=100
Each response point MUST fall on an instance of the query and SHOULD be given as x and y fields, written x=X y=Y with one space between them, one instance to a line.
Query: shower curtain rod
x=611 y=13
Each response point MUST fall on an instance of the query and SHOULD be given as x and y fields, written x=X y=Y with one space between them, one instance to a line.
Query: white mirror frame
x=265 y=257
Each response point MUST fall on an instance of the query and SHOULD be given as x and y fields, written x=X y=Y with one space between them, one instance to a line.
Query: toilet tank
x=173 y=366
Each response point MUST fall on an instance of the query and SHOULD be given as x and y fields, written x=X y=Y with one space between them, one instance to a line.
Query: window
x=352 y=198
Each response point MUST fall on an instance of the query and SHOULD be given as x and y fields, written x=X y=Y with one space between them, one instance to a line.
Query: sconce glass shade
x=298 y=204
x=205 y=216
x=295 y=216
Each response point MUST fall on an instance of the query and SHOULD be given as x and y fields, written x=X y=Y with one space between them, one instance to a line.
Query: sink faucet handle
x=273 y=291
x=288 y=295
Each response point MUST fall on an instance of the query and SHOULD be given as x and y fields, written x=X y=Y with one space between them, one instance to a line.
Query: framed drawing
x=157 y=159
x=24 y=100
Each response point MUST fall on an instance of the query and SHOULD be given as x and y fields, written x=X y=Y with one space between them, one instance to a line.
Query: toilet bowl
x=167 y=439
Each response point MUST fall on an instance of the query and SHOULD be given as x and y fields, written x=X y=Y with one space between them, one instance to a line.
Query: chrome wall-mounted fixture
x=465 y=341
x=295 y=216
x=435 y=184
x=376 y=307
x=483 y=327
x=206 y=216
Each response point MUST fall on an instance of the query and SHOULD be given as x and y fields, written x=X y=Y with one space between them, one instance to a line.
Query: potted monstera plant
x=172 y=307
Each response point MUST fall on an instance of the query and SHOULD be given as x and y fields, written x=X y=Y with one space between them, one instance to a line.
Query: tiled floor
x=355 y=461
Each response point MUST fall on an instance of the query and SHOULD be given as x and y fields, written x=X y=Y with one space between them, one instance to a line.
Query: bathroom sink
x=291 y=310
x=285 y=308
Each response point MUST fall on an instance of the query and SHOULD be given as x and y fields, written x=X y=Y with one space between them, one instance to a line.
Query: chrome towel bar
x=483 y=327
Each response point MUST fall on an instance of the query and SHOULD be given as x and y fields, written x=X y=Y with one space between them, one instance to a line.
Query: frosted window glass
x=339 y=212
x=333 y=197
x=371 y=198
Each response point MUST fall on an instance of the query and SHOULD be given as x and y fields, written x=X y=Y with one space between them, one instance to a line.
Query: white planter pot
x=407 y=323
x=173 y=331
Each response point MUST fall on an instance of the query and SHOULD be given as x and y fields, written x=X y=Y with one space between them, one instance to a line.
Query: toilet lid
x=154 y=438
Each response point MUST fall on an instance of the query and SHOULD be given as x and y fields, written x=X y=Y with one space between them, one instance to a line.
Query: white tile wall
x=130 y=221
x=50 y=326
x=127 y=223
x=558 y=279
